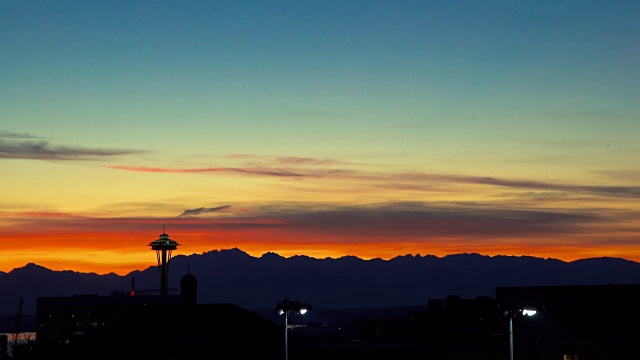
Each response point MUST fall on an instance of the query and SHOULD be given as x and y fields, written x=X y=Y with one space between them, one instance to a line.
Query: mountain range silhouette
x=233 y=276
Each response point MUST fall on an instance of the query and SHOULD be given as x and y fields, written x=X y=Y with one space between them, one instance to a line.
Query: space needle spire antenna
x=163 y=247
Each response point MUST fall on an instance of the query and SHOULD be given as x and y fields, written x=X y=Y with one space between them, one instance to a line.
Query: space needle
x=163 y=248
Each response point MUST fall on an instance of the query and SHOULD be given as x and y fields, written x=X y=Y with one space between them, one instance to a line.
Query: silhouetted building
x=4 y=346
x=589 y=322
x=189 y=289
x=459 y=328
x=152 y=326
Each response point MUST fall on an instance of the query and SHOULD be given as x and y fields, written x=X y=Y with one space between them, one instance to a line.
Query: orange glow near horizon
x=65 y=241
x=123 y=252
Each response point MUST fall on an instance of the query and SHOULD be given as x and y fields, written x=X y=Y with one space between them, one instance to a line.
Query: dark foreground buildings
x=587 y=322
x=572 y=323
x=581 y=322
x=150 y=327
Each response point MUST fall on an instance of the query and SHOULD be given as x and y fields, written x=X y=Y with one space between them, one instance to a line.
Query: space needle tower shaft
x=163 y=248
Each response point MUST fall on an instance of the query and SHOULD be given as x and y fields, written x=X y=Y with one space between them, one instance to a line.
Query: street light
x=285 y=307
x=511 y=314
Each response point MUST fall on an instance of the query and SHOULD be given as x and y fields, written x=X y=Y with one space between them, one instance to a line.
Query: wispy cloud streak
x=627 y=191
x=12 y=135
x=413 y=181
x=236 y=170
x=292 y=160
x=203 y=210
x=42 y=150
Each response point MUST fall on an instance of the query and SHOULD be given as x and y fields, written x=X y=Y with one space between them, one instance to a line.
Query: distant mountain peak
x=604 y=259
x=30 y=267
x=232 y=251
x=271 y=255
x=235 y=251
x=350 y=257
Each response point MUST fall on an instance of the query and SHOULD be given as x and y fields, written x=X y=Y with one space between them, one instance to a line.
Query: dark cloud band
x=41 y=150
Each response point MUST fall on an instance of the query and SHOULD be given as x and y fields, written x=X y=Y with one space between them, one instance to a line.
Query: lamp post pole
x=283 y=308
x=511 y=336
x=511 y=314
x=286 y=335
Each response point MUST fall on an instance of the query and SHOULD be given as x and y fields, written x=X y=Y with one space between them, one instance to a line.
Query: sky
x=320 y=128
